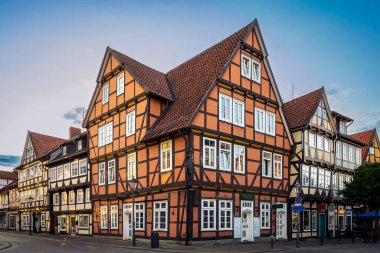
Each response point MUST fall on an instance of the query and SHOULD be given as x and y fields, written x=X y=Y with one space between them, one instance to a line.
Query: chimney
x=74 y=131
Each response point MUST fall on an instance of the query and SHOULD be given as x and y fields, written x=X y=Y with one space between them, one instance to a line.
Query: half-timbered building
x=206 y=141
x=69 y=186
x=315 y=164
x=9 y=204
x=33 y=181
x=371 y=150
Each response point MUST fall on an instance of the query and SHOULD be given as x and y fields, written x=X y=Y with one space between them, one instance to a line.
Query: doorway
x=127 y=222
x=321 y=225
x=281 y=224
x=247 y=221
x=72 y=225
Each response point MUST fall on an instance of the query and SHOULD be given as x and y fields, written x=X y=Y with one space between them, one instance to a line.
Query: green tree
x=364 y=190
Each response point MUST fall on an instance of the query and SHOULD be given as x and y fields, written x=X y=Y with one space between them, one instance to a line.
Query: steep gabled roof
x=8 y=175
x=8 y=187
x=299 y=111
x=191 y=80
x=365 y=137
x=42 y=144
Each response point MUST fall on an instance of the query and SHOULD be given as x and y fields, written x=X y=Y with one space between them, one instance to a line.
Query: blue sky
x=50 y=52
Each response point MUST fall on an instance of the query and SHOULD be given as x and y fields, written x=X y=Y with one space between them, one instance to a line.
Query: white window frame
x=212 y=149
x=270 y=164
x=72 y=197
x=130 y=123
x=312 y=140
x=60 y=173
x=313 y=177
x=66 y=170
x=345 y=152
x=56 y=199
x=166 y=156
x=131 y=166
x=343 y=127
x=120 y=84
x=225 y=115
x=83 y=161
x=303 y=223
x=64 y=198
x=278 y=163
x=237 y=118
x=327 y=179
x=105 y=93
x=140 y=216
x=114 y=212
x=73 y=165
x=305 y=175
x=259 y=120
x=209 y=210
x=105 y=134
x=157 y=211
x=225 y=153
x=358 y=156
x=227 y=212
x=103 y=217
x=327 y=144
x=79 y=145
x=270 y=123
x=371 y=150
x=258 y=78
x=338 y=150
x=319 y=142
x=239 y=152
x=111 y=171
x=88 y=195
x=53 y=174
x=102 y=173
x=321 y=178
x=83 y=225
x=248 y=74
x=351 y=154
x=265 y=214
x=63 y=217
x=80 y=196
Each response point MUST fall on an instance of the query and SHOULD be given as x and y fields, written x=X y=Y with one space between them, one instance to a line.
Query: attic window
x=245 y=66
x=64 y=150
x=256 y=71
x=105 y=93
x=343 y=127
x=29 y=152
x=120 y=84
x=371 y=150
x=79 y=144
x=250 y=68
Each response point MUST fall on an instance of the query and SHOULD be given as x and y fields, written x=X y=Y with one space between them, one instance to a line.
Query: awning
x=367 y=215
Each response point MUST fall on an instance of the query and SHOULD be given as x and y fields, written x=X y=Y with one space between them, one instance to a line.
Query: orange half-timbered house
x=371 y=150
x=206 y=141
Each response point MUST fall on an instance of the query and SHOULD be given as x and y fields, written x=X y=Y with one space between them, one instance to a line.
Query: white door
x=127 y=226
x=246 y=227
x=281 y=224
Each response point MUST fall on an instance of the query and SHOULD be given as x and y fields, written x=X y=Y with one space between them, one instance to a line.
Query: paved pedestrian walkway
x=261 y=244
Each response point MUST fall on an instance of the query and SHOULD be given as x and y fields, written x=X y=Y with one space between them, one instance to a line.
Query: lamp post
x=29 y=201
x=298 y=193
x=133 y=184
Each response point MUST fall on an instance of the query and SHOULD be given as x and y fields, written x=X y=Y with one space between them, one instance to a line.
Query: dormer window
x=120 y=84
x=250 y=68
x=105 y=93
x=79 y=144
x=29 y=152
x=343 y=127
x=64 y=150
x=371 y=150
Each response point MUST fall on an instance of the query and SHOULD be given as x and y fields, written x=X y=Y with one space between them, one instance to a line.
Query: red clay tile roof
x=152 y=80
x=298 y=112
x=8 y=175
x=42 y=144
x=366 y=137
x=191 y=80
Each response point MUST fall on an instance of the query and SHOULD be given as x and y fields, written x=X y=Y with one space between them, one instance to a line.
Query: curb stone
x=5 y=245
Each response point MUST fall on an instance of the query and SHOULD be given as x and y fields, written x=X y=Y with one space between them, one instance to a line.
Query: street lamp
x=298 y=193
x=29 y=201
x=133 y=184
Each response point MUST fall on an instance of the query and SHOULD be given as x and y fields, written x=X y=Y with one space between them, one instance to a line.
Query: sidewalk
x=165 y=246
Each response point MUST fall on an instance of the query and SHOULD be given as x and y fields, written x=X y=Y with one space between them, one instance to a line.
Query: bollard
x=271 y=241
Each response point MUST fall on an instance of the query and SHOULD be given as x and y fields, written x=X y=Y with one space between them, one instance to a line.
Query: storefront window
x=294 y=221
x=341 y=222
x=306 y=220
x=314 y=220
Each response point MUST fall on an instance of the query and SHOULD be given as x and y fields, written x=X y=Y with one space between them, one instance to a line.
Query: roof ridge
x=303 y=96
x=47 y=135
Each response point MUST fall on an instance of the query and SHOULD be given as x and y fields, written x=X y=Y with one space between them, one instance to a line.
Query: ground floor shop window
x=265 y=215
x=83 y=221
x=12 y=221
x=306 y=220
x=63 y=223
x=314 y=220
x=349 y=220
x=140 y=216
x=341 y=222
x=160 y=214
x=294 y=221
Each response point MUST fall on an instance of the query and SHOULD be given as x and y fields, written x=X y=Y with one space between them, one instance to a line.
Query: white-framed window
x=114 y=217
x=306 y=220
x=88 y=195
x=314 y=220
x=239 y=159
x=43 y=219
x=338 y=150
x=327 y=179
x=341 y=181
x=256 y=71
x=63 y=222
x=371 y=150
x=259 y=120
x=83 y=221
x=80 y=196
x=277 y=166
x=225 y=214
x=225 y=108
x=102 y=173
x=74 y=169
x=166 y=156
x=319 y=142
x=270 y=123
x=131 y=166
x=312 y=139
x=140 y=216
x=105 y=134
x=265 y=215
x=105 y=93
x=160 y=216
x=343 y=127
x=64 y=198
x=79 y=145
x=305 y=175
x=66 y=171
x=71 y=197
x=83 y=167
x=53 y=174
x=345 y=152
x=327 y=145
x=321 y=178
x=246 y=66
x=351 y=154
x=131 y=123
x=313 y=176
x=225 y=156
x=267 y=164
x=111 y=172
x=208 y=214
x=358 y=157
x=335 y=181
x=103 y=217
x=59 y=172
x=238 y=112
x=209 y=153
x=120 y=84
x=64 y=150
x=56 y=199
